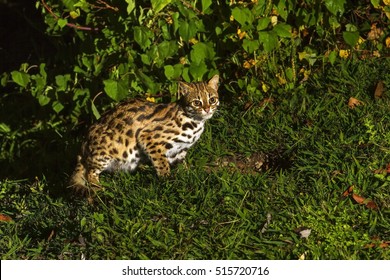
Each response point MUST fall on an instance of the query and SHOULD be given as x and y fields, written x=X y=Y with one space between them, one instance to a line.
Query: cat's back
x=133 y=113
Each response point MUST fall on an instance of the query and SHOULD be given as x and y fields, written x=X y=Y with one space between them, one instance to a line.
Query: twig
x=68 y=24
x=189 y=6
x=106 y=6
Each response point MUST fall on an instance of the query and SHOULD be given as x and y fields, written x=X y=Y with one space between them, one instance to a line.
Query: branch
x=67 y=24
x=189 y=6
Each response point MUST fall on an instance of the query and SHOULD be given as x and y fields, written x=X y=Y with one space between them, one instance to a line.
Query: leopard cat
x=138 y=131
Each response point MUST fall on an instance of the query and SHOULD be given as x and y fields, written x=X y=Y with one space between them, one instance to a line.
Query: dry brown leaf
x=353 y=102
x=367 y=202
x=383 y=171
x=266 y=101
x=382 y=244
x=372 y=205
x=51 y=235
x=379 y=90
x=375 y=33
x=348 y=191
x=359 y=199
x=5 y=218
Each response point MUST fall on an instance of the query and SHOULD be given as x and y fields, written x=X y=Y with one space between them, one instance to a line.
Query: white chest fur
x=182 y=142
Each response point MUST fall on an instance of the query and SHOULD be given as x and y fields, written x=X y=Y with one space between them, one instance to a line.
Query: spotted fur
x=138 y=131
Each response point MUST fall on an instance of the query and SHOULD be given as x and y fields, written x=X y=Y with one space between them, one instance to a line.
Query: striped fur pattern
x=138 y=131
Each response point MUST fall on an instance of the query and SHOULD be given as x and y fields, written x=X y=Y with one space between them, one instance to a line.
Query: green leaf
x=187 y=30
x=243 y=16
x=95 y=111
x=146 y=80
x=351 y=38
x=283 y=30
x=166 y=49
x=83 y=221
x=269 y=39
x=263 y=23
x=4 y=128
x=81 y=94
x=376 y=3
x=4 y=79
x=62 y=22
x=130 y=6
x=142 y=36
x=173 y=72
x=57 y=106
x=201 y=52
x=158 y=5
x=206 y=4
x=116 y=90
x=332 y=57
x=198 y=70
x=169 y=71
x=250 y=45
x=62 y=81
x=282 y=9
x=42 y=71
x=186 y=74
x=43 y=100
x=147 y=58
x=21 y=78
x=336 y=7
x=351 y=27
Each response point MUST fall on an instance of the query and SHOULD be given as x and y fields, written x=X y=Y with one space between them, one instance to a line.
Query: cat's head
x=200 y=100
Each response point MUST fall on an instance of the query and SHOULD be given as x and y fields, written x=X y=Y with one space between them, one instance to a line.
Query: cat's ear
x=213 y=83
x=184 y=89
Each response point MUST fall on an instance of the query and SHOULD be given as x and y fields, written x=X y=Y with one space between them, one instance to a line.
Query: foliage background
x=65 y=62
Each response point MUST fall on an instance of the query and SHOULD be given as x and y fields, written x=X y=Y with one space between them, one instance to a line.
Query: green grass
x=218 y=205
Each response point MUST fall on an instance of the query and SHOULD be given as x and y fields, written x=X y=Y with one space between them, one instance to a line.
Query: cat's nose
x=207 y=109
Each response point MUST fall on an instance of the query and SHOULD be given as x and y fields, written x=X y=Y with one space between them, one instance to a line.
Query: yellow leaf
x=75 y=14
x=151 y=99
x=359 y=42
x=169 y=20
x=387 y=2
x=193 y=41
x=264 y=87
x=274 y=20
x=281 y=80
x=344 y=53
x=241 y=34
x=301 y=55
x=302 y=257
x=247 y=65
x=376 y=53
x=183 y=60
x=387 y=42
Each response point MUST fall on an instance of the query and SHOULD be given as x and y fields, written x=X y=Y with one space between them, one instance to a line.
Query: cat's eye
x=197 y=103
x=212 y=100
